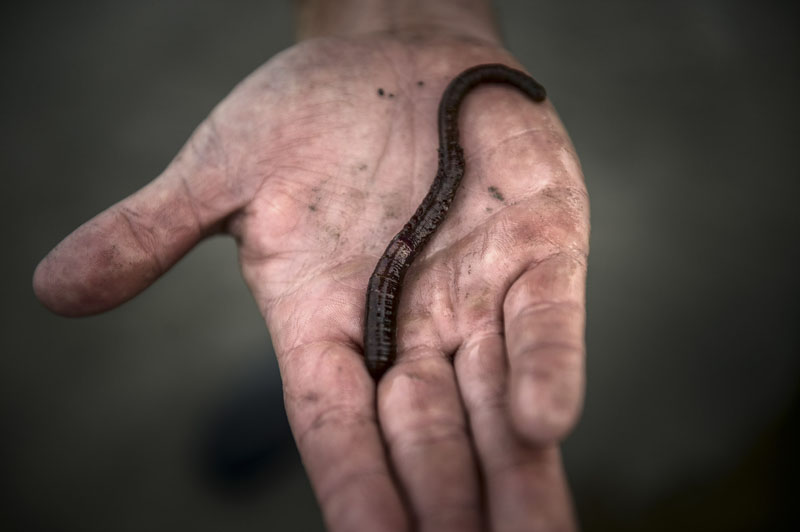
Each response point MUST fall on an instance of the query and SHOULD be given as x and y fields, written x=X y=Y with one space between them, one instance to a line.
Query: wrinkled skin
x=313 y=172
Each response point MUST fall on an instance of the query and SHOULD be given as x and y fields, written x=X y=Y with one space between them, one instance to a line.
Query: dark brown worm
x=383 y=291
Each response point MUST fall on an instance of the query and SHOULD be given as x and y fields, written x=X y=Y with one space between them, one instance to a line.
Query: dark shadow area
x=248 y=437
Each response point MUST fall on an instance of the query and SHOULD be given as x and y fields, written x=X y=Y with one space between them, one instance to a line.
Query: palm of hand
x=313 y=171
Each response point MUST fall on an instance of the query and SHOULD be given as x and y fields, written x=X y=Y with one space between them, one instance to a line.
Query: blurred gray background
x=166 y=414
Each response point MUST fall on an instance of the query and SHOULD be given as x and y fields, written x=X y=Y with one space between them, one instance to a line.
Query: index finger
x=330 y=403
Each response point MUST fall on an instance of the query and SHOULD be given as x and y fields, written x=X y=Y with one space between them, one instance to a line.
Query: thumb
x=120 y=252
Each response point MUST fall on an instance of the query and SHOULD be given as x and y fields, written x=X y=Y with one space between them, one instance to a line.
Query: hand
x=312 y=171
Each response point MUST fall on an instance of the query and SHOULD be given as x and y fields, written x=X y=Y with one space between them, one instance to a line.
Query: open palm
x=313 y=163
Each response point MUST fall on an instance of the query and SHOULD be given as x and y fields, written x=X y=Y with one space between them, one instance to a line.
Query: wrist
x=465 y=18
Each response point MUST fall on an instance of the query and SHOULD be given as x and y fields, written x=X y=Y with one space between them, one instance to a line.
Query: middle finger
x=423 y=421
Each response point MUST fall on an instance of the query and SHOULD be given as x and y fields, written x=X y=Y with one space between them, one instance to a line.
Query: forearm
x=468 y=18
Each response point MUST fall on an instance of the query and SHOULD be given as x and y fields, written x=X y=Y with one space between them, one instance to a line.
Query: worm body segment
x=383 y=290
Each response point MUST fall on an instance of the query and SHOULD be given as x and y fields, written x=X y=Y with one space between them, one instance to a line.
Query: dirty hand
x=312 y=170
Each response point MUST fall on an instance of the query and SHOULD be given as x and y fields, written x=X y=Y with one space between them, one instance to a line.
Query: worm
x=385 y=284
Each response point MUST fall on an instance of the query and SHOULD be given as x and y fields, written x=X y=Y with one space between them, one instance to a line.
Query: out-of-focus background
x=166 y=414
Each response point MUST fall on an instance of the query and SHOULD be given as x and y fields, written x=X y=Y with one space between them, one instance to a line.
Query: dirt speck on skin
x=420 y=83
x=362 y=167
x=312 y=208
x=332 y=231
x=495 y=193
x=391 y=95
x=380 y=92
x=489 y=209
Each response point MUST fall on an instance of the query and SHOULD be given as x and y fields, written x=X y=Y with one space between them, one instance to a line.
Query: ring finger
x=525 y=486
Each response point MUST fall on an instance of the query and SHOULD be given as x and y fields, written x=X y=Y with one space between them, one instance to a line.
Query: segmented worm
x=383 y=290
